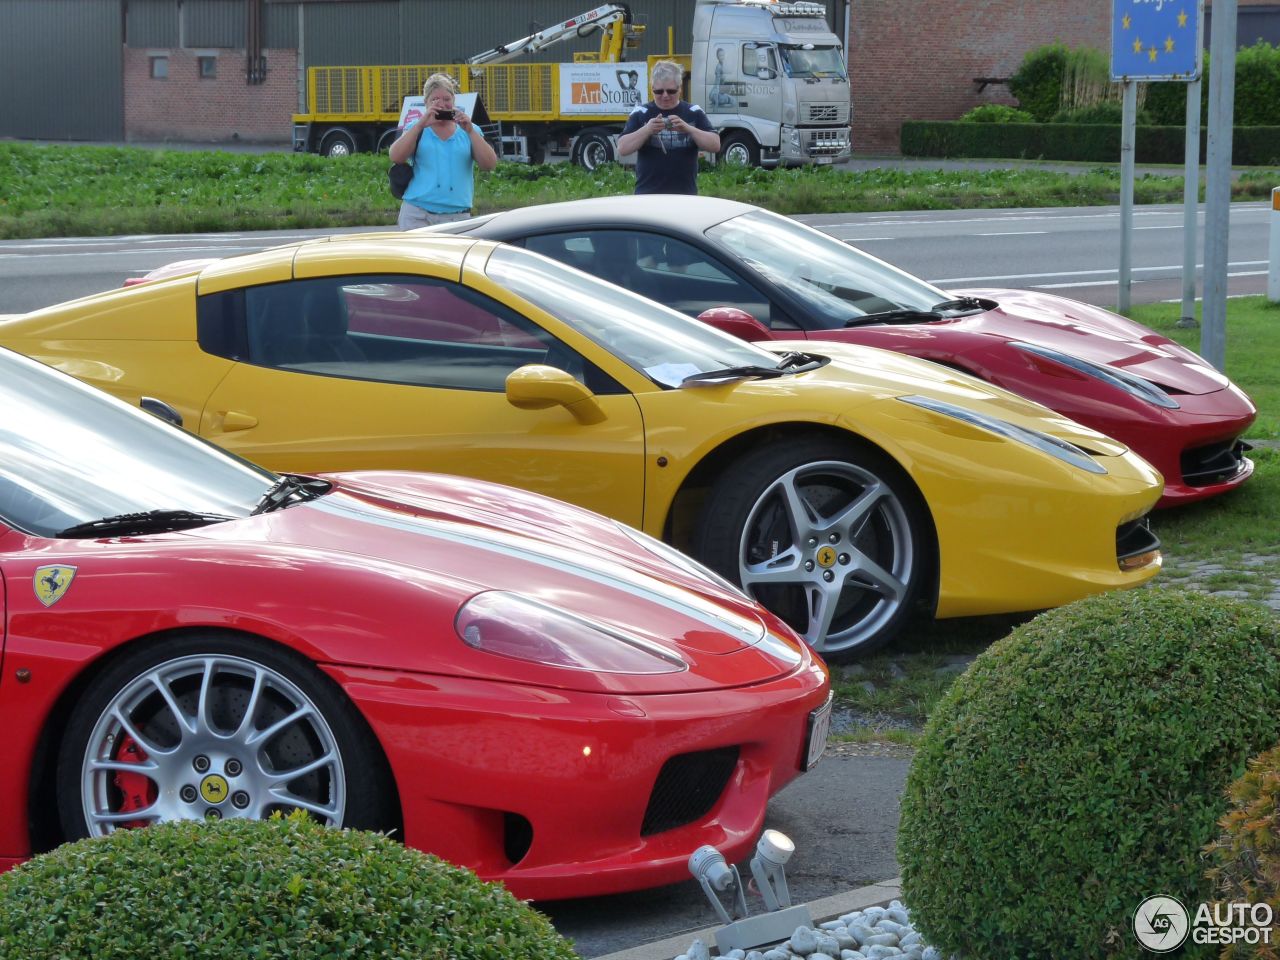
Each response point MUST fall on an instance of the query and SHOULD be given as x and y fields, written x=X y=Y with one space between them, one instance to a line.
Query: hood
x=871 y=374
x=445 y=539
x=1093 y=334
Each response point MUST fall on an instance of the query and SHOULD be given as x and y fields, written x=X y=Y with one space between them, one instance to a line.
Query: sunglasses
x=666 y=93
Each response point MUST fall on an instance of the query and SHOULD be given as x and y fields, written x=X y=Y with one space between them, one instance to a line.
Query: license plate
x=824 y=159
x=819 y=727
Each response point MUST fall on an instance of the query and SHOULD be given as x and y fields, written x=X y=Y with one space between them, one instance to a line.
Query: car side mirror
x=159 y=408
x=537 y=387
x=736 y=322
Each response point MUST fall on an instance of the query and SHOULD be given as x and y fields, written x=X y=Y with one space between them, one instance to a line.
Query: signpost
x=1157 y=40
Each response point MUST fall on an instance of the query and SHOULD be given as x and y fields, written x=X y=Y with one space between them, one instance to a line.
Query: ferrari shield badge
x=51 y=583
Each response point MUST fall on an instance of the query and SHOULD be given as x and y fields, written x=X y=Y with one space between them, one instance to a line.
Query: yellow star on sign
x=1182 y=18
x=1124 y=22
x=1151 y=54
x=1168 y=44
x=1137 y=44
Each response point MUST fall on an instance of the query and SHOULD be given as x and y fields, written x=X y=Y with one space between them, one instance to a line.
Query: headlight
x=1060 y=449
x=1120 y=379
x=509 y=625
x=677 y=559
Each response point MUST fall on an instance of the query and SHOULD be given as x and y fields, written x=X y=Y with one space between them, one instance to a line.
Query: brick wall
x=186 y=107
x=916 y=59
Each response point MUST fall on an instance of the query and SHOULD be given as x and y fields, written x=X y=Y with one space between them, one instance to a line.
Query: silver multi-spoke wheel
x=832 y=544
x=209 y=736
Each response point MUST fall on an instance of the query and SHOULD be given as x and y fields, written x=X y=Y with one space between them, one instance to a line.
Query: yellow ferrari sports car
x=842 y=486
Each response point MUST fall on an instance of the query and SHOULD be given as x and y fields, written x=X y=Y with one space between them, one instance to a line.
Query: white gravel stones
x=876 y=933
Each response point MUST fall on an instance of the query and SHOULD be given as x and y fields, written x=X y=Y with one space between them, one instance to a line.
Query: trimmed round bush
x=1078 y=766
x=1245 y=858
x=997 y=113
x=1037 y=83
x=281 y=889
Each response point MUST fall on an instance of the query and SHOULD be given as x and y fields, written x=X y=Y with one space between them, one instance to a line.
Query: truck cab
x=772 y=79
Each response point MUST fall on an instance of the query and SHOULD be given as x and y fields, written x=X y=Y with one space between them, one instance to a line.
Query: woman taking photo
x=444 y=146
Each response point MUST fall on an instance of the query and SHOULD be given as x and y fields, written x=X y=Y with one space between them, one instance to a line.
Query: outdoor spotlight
x=772 y=853
x=707 y=864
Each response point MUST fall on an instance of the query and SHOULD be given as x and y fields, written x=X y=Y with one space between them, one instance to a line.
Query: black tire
x=338 y=142
x=593 y=150
x=739 y=149
x=388 y=137
x=206 y=762
x=874 y=567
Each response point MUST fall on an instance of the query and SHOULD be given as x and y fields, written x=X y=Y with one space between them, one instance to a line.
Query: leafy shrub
x=1106 y=111
x=1245 y=858
x=282 y=889
x=1165 y=104
x=1037 y=83
x=1078 y=766
x=1257 y=89
x=997 y=113
x=1086 y=81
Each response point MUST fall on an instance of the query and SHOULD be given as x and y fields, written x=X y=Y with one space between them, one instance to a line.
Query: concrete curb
x=828 y=908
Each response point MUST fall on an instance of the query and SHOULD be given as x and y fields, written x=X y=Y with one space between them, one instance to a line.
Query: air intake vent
x=688 y=787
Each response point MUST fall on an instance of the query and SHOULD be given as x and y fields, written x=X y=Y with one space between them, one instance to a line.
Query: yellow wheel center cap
x=827 y=557
x=213 y=789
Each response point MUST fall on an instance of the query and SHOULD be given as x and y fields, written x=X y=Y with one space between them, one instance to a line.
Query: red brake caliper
x=138 y=791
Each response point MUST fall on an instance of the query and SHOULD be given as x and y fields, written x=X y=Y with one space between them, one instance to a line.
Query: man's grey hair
x=667 y=68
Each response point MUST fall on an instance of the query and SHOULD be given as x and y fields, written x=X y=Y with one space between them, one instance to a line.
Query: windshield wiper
x=892 y=316
x=148 y=521
x=731 y=373
x=960 y=303
x=291 y=487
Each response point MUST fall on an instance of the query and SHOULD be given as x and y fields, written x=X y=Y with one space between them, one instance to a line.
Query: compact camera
x=668 y=123
x=444 y=114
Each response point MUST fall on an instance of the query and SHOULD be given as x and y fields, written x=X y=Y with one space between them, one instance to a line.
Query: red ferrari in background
x=697 y=254
x=522 y=687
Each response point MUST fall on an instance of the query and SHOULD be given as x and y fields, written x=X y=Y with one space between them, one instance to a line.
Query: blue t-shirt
x=668 y=161
x=442 y=178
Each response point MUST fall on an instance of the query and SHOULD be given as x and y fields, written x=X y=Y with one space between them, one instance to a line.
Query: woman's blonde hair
x=439 y=80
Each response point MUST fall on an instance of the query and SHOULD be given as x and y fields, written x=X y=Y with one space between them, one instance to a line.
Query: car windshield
x=70 y=454
x=835 y=282
x=811 y=61
x=664 y=345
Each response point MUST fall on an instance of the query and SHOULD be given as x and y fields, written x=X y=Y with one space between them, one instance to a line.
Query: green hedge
x=1080 y=765
x=1099 y=143
x=282 y=889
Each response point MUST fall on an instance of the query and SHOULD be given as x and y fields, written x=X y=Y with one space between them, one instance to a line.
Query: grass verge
x=81 y=190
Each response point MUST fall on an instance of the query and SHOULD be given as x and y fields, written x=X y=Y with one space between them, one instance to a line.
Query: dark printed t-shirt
x=674 y=170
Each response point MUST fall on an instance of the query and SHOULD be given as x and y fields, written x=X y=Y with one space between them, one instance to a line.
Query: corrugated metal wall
x=280 y=26
x=83 y=98
x=359 y=32
x=151 y=24
x=213 y=23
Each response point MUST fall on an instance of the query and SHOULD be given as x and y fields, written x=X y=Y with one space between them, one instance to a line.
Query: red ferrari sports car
x=531 y=690
x=1096 y=367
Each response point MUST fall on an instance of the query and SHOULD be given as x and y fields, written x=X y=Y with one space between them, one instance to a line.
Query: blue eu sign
x=1156 y=39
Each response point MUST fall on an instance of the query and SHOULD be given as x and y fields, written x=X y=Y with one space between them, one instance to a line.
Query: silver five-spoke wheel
x=832 y=544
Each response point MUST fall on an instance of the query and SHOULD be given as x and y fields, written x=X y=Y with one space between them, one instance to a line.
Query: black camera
x=444 y=114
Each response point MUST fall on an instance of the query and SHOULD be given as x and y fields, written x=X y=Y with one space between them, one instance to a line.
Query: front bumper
x=556 y=794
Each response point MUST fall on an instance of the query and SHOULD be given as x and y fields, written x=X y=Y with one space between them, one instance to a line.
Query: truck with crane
x=770 y=75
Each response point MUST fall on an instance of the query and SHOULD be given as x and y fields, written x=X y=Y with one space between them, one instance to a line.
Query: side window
x=668 y=270
x=396 y=329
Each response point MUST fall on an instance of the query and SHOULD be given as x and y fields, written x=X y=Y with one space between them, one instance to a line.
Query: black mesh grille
x=688 y=787
x=1213 y=463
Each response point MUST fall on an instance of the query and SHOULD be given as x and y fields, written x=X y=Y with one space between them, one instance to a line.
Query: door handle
x=233 y=420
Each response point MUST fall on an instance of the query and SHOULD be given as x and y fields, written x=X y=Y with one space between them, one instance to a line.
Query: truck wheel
x=389 y=136
x=338 y=142
x=739 y=149
x=594 y=150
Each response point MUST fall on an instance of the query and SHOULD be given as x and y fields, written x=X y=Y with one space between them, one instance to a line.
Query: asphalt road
x=1073 y=251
